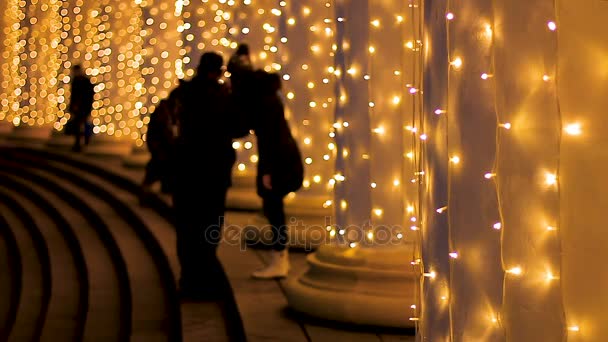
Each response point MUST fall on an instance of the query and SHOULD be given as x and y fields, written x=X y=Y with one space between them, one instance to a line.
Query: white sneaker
x=277 y=268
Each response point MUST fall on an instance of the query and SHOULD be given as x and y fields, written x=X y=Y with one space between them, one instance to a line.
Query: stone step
x=151 y=312
x=64 y=294
x=164 y=232
x=225 y=324
x=108 y=291
x=10 y=276
x=35 y=281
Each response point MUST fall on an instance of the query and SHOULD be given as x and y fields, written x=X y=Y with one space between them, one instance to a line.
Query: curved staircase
x=81 y=260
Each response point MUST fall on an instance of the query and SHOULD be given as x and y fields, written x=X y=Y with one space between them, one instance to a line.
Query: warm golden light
x=550 y=179
x=573 y=129
x=515 y=271
x=431 y=274
x=457 y=63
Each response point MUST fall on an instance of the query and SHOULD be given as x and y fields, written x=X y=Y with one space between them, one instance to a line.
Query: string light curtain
x=30 y=95
x=352 y=173
x=432 y=175
x=4 y=28
x=528 y=189
x=521 y=99
x=582 y=88
x=4 y=31
x=204 y=27
x=385 y=108
x=472 y=146
x=366 y=276
x=161 y=53
x=307 y=54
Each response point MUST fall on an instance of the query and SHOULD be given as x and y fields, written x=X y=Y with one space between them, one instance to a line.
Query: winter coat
x=82 y=97
x=279 y=154
x=207 y=126
x=160 y=138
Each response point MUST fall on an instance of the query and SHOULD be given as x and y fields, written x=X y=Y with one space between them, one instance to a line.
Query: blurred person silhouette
x=81 y=104
x=242 y=81
x=280 y=168
x=240 y=60
x=160 y=140
x=204 y=158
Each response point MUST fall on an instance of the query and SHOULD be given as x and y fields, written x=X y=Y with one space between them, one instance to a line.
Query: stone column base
x=373 y=286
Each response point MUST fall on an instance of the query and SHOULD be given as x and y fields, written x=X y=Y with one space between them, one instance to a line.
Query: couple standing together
x=211 y=115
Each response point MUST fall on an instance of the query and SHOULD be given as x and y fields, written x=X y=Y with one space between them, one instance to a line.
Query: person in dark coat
x=242 y=81
x=81 y=104
x=280 y=169
x=240 y=60
x=204 y=161
x=160 y=140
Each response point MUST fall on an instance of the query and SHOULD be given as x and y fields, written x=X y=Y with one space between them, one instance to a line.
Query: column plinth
x=366 y=286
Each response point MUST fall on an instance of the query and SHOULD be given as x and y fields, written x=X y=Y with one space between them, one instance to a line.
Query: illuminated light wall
x=161 y=20
x=309 y=85
x=106 y=37
x=73 y=28
x=582 y=87
x=43 y=45
x=353 y=174
x=432 y=162
x=13 y=52
x=30 y=96
x=377 y=142
x=205 y=28
x=392 y=94
x=474 y=175
x=260 y=21
x=496 y=253
x=514 y=100
x=126 y=87
x=527 y=189
x=4 y=29
x=80 y=33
